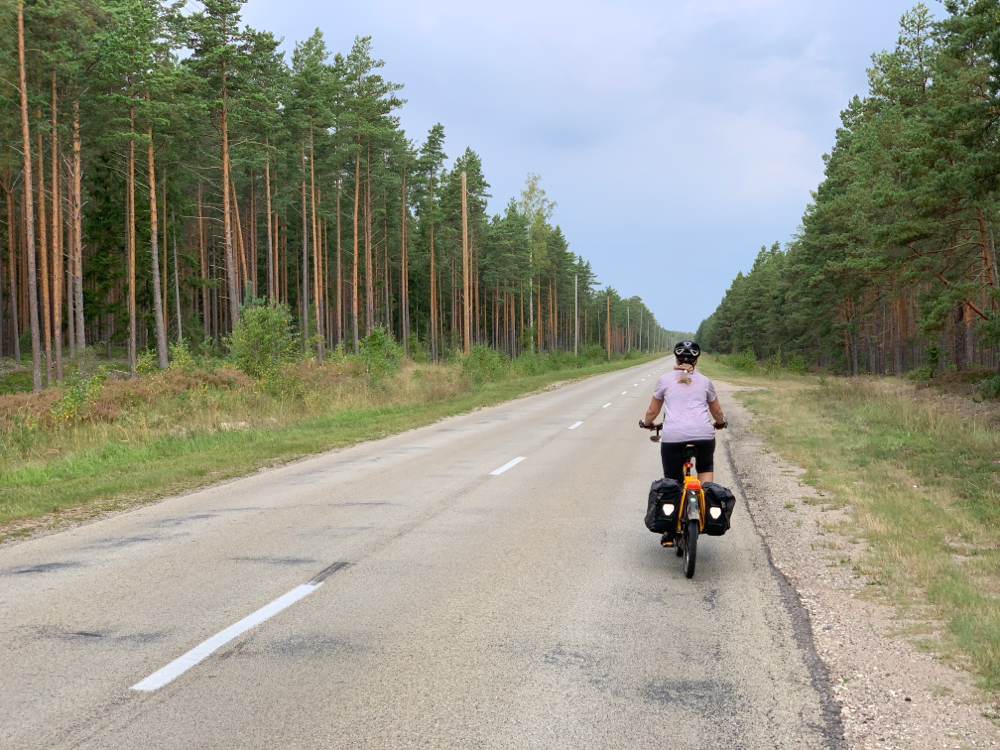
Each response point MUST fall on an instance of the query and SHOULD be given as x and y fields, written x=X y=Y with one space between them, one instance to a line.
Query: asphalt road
x=407 y=596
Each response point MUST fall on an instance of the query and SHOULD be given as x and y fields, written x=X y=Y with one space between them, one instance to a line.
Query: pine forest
x=894 y=267
x=166 y=168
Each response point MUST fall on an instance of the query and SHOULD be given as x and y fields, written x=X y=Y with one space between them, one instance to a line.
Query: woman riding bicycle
x=689 y=398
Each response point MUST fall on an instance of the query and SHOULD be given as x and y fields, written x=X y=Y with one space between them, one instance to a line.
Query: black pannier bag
x=663 y=492
x=717 y=496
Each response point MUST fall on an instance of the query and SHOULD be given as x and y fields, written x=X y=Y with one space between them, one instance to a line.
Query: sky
x=676 y=136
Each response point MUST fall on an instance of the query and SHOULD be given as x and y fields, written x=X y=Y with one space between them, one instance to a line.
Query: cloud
x=656 y=125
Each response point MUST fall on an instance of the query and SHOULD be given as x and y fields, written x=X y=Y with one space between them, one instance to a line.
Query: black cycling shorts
x=672 y=455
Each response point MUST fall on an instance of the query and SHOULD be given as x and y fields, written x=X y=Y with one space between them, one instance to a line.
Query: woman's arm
x=716 y=410
x=653 y=411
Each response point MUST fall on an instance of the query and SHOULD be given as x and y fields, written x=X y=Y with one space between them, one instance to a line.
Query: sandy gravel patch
x=891 y=696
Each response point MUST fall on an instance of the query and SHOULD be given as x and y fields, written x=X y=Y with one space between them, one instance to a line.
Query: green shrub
x=530 y=363
x=145 y=362
x=797 y=364
x=594 y=353
x=745 y=361
x=419 y=352
x=990 y=388
x=262 y=339
x=380 y=353
x=486 y=365
x=78 y=394
x=181 y=357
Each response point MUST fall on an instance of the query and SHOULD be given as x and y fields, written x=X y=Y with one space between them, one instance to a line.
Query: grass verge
x=172 y=432
x=922 y=482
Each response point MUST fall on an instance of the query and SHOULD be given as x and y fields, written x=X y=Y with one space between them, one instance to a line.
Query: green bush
x=419 y=352
x=78 y=394
x=486 y=365
x=990 y=388
x=181 y=357
x=380 y=353
x=530 y=363
x=745 y=361
x=594 y=353
x=145 y=362
x=797 y=364
x=773 y=365
x=262 y=339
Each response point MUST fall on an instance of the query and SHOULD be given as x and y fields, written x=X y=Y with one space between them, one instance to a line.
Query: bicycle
x=690 y=513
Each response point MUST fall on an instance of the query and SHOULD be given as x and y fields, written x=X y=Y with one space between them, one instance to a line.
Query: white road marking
x=635 y=385
x=183 y=663
x=574 y=426
x=624 y=392
x=606 y=405
x=508 y=465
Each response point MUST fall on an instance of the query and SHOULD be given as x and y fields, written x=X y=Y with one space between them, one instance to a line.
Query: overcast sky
x=677 y=136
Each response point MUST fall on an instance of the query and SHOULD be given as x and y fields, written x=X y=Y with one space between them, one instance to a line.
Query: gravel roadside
x=891 y=696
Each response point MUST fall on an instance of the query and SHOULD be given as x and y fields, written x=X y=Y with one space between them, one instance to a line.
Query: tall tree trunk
x=13 y=266
x=130 y=242
x=10 y=254
x=271 y=286
x=317 y=267
x=304 y=293
x=158 y=291
x=340 y=277
x=466 y=297
x=177 y=284
x=434 y=324
x=29 y=209
x=81 y=331
x=607 y=325
x=57 y=225
x=404 y=271
x=206 y=302
x=369 y=268
x=354 y=280
x=43 y=256
x=227 y=219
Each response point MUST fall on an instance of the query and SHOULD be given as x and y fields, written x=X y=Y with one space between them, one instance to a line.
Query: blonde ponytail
x=684 y=378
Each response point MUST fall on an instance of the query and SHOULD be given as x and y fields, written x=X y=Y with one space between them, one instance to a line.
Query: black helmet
x=686 y=352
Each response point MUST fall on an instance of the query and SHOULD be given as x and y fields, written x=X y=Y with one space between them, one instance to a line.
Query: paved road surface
x=522 y=609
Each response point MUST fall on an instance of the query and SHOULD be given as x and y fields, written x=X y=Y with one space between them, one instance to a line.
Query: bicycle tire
x=690 y=548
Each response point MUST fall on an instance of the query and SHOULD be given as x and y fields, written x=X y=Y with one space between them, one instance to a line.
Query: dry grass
x=922 y=482
x=84 y=449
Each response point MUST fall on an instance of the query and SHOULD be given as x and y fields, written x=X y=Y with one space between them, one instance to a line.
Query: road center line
x=624 y=392
x=574 y=426
x=182 y=664
x=606 y=405
x=508 y=465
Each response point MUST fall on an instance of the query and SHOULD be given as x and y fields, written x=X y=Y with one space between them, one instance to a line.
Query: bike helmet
x=686 y=352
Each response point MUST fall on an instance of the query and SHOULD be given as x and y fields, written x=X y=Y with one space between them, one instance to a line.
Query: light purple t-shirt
x=685 y=407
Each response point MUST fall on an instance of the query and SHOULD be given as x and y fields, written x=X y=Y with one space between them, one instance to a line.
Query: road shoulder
x=891 y=696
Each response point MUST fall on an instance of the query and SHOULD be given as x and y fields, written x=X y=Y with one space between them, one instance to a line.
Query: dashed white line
x=606 y=405
x=508 y=465
x=574 y=426
x=624 y=392
x=183 y=663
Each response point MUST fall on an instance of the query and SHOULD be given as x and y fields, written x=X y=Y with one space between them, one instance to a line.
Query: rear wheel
x=690 y=547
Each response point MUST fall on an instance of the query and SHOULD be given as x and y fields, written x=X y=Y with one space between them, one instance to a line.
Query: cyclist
x=689 y=398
